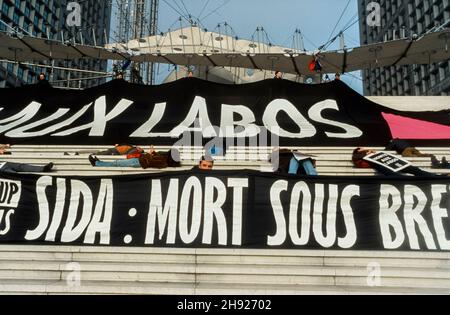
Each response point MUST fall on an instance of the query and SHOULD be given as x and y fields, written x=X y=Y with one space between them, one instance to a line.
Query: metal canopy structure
x=194 y=46
x=25 y=48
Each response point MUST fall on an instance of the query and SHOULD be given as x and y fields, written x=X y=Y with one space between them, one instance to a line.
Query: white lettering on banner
x=26 y=114
x=439 y=213
x=44 y=211
x=213 y=210
x=6 y=218
x=389 y=218
x=191 y=187
x=10 y=191
x=315 y=113
x=197 y=119
x=155 y=118
x=101 y=220
x=301 y=190
x=413 y=201
x=275 y=193
x=93 y=221
x=22 y=131
x=207 y=208
x=79 y=191
x=238 y=185
x=348 y=193
x=307 y=130
x=330 y=238
x=250 y=129
x=98 y=126
x=198 y=112
x=413 y=217
x=59 y=210
x=166 y=215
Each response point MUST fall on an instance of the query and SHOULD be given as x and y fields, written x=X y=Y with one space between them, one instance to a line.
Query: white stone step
x=110 y=270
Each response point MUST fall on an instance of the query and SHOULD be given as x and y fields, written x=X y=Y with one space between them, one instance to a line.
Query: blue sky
x=280 y=18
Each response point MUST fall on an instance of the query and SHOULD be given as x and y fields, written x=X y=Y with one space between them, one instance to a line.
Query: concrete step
x=95 y=287
x=262 y=268
x=224 y=259
x=44 y=270
x=269 y=275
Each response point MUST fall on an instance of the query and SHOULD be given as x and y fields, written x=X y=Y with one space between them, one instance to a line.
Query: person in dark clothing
x=123 y=149
x=440 y=164
x=11 y=167
x=151 y=159
x=278 y=75
x=42 y=80
x=405 y=149
x=205 y=164
x=359 y=162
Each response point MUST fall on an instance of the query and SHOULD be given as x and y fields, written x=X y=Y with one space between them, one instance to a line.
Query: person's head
x=206 y=163
x=362 y=150
x=41 y=76
x=357 y=150
x=278 y=75
x=173 y=158
x=337 y=76
x=190 y=74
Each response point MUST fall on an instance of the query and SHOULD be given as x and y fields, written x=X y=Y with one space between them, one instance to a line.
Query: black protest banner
x=328 y=114
x=226 y=209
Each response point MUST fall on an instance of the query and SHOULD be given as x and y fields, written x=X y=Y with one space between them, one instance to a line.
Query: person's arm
x=152 y=150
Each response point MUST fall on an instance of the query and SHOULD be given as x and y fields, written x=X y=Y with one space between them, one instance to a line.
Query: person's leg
x=413 y=152
x=385 y=171
x=408 y=152
x=12 y=167
x=309 y=168
x=112 y=151
x=413 y=170
x=293 y=166
x=119 y=163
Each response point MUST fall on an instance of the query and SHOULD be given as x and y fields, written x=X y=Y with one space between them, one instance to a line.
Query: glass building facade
x=405 y=19
x=48 y=19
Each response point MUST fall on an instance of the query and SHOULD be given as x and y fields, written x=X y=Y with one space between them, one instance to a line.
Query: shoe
x=434 y=161
x=93 y=159
x=48 y=168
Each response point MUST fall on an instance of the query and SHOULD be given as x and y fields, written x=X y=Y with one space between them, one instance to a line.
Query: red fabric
x=135 y=155
x=362 y=164
x=122 y=149
x=410 y=128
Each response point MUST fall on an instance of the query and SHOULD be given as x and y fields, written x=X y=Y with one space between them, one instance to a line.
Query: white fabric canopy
x=194 y=46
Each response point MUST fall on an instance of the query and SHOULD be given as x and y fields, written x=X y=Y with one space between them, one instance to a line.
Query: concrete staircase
x=332 y=161
x=99 y=270
x=57 y=269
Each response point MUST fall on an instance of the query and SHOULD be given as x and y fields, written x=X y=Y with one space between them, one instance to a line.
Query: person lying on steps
x=150 y=159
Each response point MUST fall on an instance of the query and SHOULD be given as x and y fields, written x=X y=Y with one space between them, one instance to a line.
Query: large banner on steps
x=226 y=209
x=262 y=113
